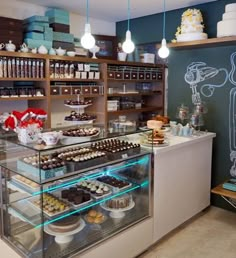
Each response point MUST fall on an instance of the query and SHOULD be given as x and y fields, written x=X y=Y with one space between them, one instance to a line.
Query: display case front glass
x=65 y=199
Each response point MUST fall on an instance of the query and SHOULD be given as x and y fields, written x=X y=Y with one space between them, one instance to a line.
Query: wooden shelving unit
x=212 y=42
x=49 y=102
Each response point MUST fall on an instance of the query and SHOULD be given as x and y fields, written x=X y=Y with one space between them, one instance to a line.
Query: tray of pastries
x=52 y=205
x=25 y=183
x=114 y=182
x=76 y=197
x=95 y=188
x=95 y=217
x=77 y=103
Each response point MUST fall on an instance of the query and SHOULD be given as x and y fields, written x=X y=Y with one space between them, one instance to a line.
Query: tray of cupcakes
x=97 y=189
x=76 y=197
x=116 y=148
x=51 y=205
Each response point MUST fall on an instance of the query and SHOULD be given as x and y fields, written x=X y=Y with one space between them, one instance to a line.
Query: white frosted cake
x=227 y=27
x=191 y=26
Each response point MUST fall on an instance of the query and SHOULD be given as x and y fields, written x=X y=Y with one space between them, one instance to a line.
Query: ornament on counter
x=182 y=113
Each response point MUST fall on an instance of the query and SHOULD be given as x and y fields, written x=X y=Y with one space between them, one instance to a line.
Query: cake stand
x=80 y=110
x=64 y=237
x=118 y=213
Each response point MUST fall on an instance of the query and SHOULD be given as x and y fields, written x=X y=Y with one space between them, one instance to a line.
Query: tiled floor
x=212 y=234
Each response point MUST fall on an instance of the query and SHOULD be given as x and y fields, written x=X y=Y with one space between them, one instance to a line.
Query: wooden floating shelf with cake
x=211 y=42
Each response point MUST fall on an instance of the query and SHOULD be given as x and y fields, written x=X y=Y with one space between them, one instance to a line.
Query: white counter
x=181 y=181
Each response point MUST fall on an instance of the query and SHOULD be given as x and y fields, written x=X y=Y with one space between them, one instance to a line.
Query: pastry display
x=74 y=116
x=227 y=27
x=81 y=132
x=75 y=196
x=25 y=181
x=44 y=162
x=191 y=26
x=65 y=225
x=114 y=145
x=120 y=202
x=71 y=152
x=156 y=137
x=110 y=180
x=96 y=188
x=95 y=217
x=77 y=102
x=87 y=156
x=51 y=205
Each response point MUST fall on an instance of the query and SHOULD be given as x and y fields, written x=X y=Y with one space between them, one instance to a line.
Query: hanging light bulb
x=164 y=51
x=128 y=46
x=87 y=40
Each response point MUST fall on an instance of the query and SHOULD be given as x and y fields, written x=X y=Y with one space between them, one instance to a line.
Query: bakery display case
x=64 y=199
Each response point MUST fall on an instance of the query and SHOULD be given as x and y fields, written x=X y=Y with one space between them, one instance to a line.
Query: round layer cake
x=65 y=225
x=120 y=202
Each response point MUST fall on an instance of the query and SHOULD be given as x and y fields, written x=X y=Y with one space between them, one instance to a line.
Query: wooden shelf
x=135 y=110
x=223 y=192
x=134 y=94
x=23 y=79
x=224 y=41
x=75 y=96
x=76 y=80
x=22 y=98
x=132 y=81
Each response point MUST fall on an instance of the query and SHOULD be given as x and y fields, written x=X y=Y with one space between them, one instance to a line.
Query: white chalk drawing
x=198 y=72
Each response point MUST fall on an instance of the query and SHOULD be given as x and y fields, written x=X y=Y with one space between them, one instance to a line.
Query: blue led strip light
x=91 y=205
x=141 y=161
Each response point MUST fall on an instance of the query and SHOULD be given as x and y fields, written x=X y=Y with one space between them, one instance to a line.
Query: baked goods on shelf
x=120 y=202
x=51 y=205
x=26 y=181
x=75 y=196
x=95 y=217
x=191 y=26
x=74 y=116
x=67 y=224
x=110 y=180
x=156 y=137
x=81 y=132
x=115 y=146
x=227 y=27
x=96 y=188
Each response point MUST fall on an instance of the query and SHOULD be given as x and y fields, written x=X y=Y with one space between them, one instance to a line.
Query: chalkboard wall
x=219 y=59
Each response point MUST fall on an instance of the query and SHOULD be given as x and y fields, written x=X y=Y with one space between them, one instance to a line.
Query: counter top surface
x=181 y=141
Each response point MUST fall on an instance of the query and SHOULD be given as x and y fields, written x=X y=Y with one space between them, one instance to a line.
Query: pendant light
x=163 y=52
x=128 y=46
x=87 y=40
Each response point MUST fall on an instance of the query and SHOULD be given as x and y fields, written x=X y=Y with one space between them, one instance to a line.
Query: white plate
x=77 y=106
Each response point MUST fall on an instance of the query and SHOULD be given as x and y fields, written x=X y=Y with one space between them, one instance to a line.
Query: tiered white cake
x=191 y=26
x=227 y=27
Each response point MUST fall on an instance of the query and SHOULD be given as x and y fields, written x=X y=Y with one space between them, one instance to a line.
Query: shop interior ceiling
x=114 y=10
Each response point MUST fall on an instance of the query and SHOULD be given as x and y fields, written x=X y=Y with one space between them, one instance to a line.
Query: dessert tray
x=25 y=184
x=34 y=201
x=73 y=138
x=65 y=237
x=95 y=217
x=118 y=213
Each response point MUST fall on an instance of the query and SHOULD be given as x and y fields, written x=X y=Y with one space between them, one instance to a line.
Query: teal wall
x=149 y=30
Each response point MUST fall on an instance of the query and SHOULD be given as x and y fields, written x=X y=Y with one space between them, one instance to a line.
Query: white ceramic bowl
x=50 y=138
x=71 y=53
x=60 y=52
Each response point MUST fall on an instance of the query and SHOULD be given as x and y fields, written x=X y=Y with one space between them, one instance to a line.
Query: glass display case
x=63 y=199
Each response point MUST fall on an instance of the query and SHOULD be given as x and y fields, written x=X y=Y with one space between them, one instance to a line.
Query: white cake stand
x=118 y=213
x=64 y=237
